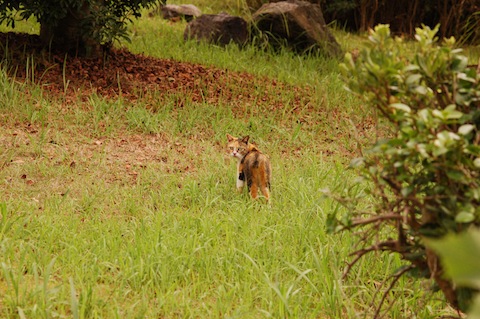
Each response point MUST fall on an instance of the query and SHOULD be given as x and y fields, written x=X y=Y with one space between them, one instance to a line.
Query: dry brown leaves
x=133 y=76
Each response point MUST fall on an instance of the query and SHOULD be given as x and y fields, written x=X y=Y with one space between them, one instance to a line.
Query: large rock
x=176 y=12
x=298 y=23
x=218 y=29
x=186 y=11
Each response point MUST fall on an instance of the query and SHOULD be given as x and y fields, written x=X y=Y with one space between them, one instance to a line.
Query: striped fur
x=253 y=167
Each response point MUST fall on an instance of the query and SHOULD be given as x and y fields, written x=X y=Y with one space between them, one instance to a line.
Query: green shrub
x=424 y=178
x=462 y=265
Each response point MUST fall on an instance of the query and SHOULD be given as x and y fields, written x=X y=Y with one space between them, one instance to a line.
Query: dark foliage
x=457 y=18
x=76 y=24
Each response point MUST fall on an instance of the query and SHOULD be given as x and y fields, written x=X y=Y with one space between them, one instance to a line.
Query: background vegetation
x=456 y=18
x=111 y=210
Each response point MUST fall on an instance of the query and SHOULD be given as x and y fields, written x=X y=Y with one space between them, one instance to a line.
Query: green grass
x=168 y=244
x=164 y=39
x=110 y=210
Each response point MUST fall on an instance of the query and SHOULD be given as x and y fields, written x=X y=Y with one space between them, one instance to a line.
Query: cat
x=253 y=167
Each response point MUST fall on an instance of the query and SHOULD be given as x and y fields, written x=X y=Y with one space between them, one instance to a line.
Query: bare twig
x=390 y=245
x=366 y=221
x=395 y=277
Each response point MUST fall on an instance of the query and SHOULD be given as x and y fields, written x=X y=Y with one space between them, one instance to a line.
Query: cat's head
x=237 y=147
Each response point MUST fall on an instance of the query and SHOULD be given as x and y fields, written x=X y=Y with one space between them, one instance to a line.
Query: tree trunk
x=68 y=34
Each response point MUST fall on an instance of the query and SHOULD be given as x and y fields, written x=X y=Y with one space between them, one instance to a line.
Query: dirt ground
x=137 y=77
x=132 y=75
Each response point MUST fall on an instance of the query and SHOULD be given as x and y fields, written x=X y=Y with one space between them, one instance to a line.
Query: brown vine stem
x=360 y=221
x=384 y=246
x=395 y=277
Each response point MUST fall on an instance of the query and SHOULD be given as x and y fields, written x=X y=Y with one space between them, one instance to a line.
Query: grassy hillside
x=113 y=208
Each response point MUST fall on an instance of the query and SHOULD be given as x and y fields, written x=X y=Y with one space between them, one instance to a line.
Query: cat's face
x=237 y=147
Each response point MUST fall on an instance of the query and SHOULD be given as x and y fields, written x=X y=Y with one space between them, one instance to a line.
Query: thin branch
x=395 y=277
x=362 y=221
x=390 y=245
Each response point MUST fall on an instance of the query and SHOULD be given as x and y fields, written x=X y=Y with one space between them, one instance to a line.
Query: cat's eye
x=231 y=148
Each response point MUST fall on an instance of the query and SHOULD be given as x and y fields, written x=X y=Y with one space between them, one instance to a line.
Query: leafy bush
x=424 y=179
x=72 y=21
x=462 y=265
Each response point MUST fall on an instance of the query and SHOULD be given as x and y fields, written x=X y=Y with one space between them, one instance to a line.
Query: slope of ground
x=132 y=76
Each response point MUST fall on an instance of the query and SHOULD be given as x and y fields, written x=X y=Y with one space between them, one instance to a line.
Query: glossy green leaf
x=476 y=162
x=460 y=255
x=465 y=129
x=413 y=79
x=474 y=312
x=465 y=217
x=402 y=107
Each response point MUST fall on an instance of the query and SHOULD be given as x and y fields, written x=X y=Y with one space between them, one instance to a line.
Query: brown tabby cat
x=253 y=166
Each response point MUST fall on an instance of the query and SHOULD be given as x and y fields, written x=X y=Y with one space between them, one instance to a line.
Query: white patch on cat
x=240 y=184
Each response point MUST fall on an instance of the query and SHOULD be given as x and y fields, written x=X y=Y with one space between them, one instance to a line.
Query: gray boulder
x=218 y=29
x=174 y=12
x=298 y=23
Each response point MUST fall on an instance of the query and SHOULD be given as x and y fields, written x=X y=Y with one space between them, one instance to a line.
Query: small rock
x=175 y=12
x=218 y=29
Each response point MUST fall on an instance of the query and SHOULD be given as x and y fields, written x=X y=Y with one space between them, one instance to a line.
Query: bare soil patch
x=133 y=76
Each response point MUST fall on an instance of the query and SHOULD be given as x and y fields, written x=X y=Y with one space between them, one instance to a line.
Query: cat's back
x=256 y=160
x=257 y=171
x=255 y=157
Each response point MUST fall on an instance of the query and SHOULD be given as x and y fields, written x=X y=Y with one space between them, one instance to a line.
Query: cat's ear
x=245 y=139
x=230 y=138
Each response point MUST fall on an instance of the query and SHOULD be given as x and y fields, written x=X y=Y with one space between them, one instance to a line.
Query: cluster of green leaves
x=462 y=265
x=426 y=176
x=104 y=20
